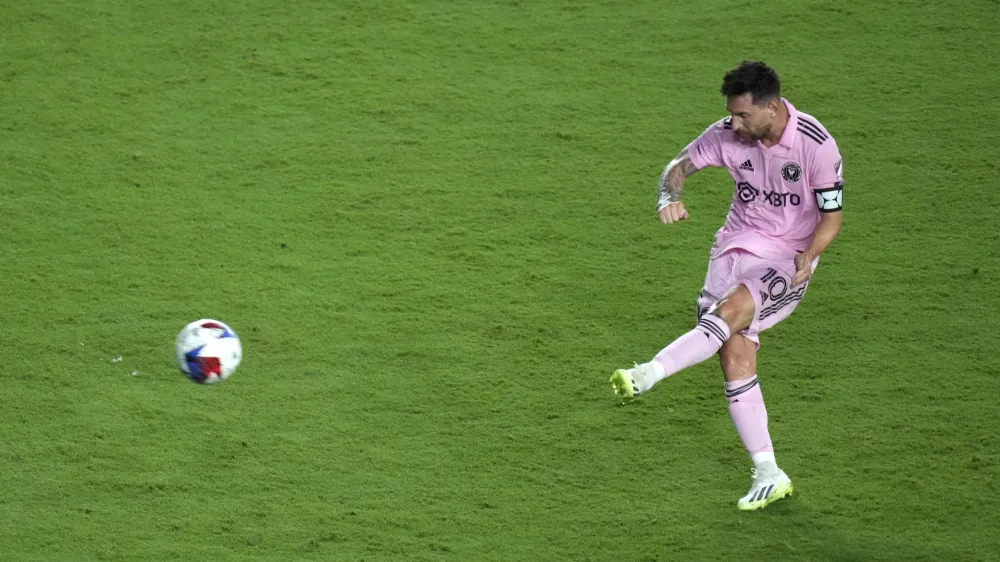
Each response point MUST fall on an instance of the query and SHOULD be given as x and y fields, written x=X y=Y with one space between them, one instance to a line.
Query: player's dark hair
x=755 y=78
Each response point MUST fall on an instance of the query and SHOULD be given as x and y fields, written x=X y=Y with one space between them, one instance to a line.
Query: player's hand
x=672 y=212
x=803 y=268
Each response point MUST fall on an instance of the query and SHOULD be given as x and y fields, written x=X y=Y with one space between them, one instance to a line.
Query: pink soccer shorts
x=768 y=280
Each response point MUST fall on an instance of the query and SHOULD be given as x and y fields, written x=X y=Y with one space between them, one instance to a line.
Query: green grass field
x=432 y=226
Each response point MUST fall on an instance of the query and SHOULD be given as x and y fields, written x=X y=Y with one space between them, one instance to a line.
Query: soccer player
x=786 y=210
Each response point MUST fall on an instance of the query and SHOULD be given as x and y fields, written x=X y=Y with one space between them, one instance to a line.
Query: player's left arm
x=827 y=178
x=826 y=230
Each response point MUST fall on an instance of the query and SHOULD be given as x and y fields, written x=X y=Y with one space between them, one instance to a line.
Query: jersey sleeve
x=826 y=177
x=828 y=166
x=706 y=150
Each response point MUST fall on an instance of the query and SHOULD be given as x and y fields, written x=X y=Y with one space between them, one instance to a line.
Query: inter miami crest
x=791 y=172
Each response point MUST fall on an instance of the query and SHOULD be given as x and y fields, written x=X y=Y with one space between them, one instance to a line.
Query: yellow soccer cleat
x=630 y=382
x=623 y=383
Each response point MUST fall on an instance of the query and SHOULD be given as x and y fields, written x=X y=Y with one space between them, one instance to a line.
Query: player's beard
x=752 y=137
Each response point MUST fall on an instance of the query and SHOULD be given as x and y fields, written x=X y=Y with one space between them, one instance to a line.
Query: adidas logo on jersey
x=748 y=166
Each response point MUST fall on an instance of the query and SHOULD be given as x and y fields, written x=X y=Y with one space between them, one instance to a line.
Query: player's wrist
x=663 y=203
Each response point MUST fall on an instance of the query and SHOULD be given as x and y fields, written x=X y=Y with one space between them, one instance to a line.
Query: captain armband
x=831 y=199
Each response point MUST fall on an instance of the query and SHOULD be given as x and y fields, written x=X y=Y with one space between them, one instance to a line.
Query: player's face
x=751 y=122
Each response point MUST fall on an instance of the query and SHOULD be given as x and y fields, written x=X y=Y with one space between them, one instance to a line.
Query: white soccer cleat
x=765 y=490
x=630 y=382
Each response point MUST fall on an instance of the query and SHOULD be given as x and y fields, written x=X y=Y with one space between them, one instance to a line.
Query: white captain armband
x=831 y=199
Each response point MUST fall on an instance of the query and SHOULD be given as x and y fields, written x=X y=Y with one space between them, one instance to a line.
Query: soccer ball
x=208 y=351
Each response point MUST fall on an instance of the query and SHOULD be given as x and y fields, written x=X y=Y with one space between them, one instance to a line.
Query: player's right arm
x=706 y=150
x=668 y=206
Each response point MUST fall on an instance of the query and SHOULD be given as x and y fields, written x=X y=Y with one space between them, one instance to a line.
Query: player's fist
x=803 y=268
x=672 y=212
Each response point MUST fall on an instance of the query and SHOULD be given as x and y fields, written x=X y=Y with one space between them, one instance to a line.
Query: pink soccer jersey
x=779 y=191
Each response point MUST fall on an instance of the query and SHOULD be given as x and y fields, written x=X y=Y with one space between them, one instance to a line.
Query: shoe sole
x=621 y=383
x=778 y=493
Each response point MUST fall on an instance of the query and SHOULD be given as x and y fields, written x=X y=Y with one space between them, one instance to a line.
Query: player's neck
x=777 y=128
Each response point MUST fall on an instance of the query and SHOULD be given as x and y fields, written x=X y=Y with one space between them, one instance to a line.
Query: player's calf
x=693 y=347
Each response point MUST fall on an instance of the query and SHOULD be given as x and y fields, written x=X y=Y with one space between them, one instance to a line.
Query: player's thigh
x=738 y=358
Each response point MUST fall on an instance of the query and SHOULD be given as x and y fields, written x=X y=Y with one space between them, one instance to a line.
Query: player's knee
x=716 y=310
x=735 y=308
x=729 y=313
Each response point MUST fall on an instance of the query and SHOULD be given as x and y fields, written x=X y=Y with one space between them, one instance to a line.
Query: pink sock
x=693 y=347
x=746 y=407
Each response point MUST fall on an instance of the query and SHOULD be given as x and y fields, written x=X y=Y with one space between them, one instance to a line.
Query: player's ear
x=773 y=105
